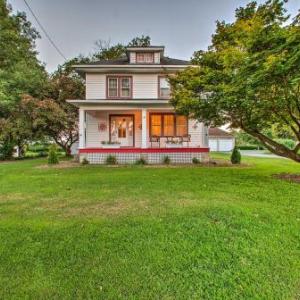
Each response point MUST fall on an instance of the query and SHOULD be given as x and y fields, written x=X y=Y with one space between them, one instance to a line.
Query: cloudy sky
x=183 y=26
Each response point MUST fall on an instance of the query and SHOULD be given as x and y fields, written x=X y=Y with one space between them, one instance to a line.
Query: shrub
x=195 y=161
x=166 y=160
x=6 y=150
x=141 y=161
x=52 y=155
x=85 y=161
x=289 y=143
x=111 y=160
x=235 y=156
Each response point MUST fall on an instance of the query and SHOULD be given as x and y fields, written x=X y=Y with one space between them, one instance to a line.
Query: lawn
x=149 y=233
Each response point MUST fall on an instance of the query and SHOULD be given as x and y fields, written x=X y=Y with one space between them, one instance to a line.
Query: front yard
x=149 y=233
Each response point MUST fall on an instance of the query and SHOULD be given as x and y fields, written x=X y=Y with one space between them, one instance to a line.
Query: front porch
x=147 y=133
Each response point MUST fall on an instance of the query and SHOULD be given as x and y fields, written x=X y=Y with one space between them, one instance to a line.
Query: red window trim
x=158 y=91
x=143 y=62
x=119 y=78
x=162 y=123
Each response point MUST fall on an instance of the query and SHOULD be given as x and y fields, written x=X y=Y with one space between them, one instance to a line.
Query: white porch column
x=144 y=128
x=81 y=128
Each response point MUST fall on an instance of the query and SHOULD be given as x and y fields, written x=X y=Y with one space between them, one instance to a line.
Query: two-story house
x=127 y=113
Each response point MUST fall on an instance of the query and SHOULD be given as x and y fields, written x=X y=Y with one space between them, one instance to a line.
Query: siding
x=94 y=137
x=95 y=86
x=145 y=86
x=157 y=57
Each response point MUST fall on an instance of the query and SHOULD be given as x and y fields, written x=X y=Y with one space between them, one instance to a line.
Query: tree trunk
x=273 y=146
x=68 y=151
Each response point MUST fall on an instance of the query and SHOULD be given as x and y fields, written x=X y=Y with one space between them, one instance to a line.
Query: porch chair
x=186 y=139
x=155 y=139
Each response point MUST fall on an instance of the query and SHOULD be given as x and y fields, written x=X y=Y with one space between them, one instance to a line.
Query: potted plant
x=174 y=144
x=110 y=145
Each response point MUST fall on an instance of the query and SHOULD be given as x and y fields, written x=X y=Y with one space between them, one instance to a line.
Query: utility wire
x=45 y=32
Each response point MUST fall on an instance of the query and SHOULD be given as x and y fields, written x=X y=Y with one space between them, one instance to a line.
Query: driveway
x=259 y=153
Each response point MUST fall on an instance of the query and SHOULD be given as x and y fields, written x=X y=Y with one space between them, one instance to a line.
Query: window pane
x=169 y=125
x=156 y=125
x=164 y=87
x=181 y=126
x=113 y=87
x=125 y=87
x=145 y=57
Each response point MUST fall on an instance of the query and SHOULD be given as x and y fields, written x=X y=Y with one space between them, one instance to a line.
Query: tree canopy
x=249 y=77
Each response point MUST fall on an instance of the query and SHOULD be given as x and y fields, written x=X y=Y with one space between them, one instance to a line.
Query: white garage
x=220 y=140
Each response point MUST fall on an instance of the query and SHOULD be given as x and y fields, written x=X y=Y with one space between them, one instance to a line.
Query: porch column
x=81 y=128
x=144 y=128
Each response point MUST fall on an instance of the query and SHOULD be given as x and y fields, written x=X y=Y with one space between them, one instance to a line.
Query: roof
x=217 y=132
x=124 y=61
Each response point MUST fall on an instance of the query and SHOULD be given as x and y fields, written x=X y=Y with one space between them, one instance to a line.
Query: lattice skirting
x=151 y=158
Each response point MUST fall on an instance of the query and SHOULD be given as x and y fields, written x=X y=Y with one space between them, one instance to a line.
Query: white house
x=127 y=113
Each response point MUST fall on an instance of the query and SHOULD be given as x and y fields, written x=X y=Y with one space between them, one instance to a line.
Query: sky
x=182 y=26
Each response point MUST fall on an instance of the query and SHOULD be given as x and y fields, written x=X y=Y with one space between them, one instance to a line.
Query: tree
x=104 y=49
x=20 y=70
x=249 y=77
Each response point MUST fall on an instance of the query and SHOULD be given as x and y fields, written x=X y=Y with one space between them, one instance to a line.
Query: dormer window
x=164 y=89
x=145 y=57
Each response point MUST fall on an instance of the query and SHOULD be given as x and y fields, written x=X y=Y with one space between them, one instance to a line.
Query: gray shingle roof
x=124 y=61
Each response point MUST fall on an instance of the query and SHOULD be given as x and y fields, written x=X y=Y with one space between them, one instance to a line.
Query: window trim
x=162 y=124
x=144 y=62
x=119 y=80
x=158 y=88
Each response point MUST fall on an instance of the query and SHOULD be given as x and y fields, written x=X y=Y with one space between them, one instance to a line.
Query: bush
x=85 y=161
x=250 y=147
x=166 y=160
x=286 y=142
x=195 y=161
x=235 y=156
x=52 y=155
x=6 y=150
x=111 y=160
x=141 y=161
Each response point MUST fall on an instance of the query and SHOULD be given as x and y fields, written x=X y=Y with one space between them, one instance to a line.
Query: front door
x=122 y=130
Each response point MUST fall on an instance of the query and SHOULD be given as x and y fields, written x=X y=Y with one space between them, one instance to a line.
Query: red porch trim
x=148 y=150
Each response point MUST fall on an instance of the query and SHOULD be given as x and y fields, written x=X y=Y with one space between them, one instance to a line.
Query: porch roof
x=136 y=103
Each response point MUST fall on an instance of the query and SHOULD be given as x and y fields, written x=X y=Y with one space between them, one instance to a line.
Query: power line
x=45 y=32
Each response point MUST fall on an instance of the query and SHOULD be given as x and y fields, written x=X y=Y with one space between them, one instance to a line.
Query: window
x=145 y=57
x=112 y=87
x=164 y=87
x=119 y=87
x=168 y=125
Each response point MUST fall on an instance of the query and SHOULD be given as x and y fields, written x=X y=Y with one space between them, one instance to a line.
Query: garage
x=220 y=140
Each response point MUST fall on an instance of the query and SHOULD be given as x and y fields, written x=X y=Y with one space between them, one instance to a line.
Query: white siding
x=157 y=57
x=132 y=57
x=145 y=86
x=94 y=137
x=95 y=86
x=197 y=132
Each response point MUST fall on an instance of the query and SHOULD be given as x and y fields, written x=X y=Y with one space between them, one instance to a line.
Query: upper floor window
x=119 y=87
x=145 y=57
x=164 y=89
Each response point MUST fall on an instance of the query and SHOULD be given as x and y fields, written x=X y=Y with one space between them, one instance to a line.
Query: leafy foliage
x=235 y=156
x=111 y=160
x=249 y=77
x=166 y=160
x=52 y=155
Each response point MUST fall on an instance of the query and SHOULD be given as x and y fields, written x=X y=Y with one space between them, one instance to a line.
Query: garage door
x=213 y=145
x=225 y=145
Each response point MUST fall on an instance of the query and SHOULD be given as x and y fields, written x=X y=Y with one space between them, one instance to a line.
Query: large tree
x=249 y=77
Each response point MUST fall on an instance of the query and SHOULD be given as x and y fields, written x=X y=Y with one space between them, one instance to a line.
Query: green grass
x=149 y=233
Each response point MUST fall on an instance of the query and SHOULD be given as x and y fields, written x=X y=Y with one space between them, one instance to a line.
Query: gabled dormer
x=145 y=55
